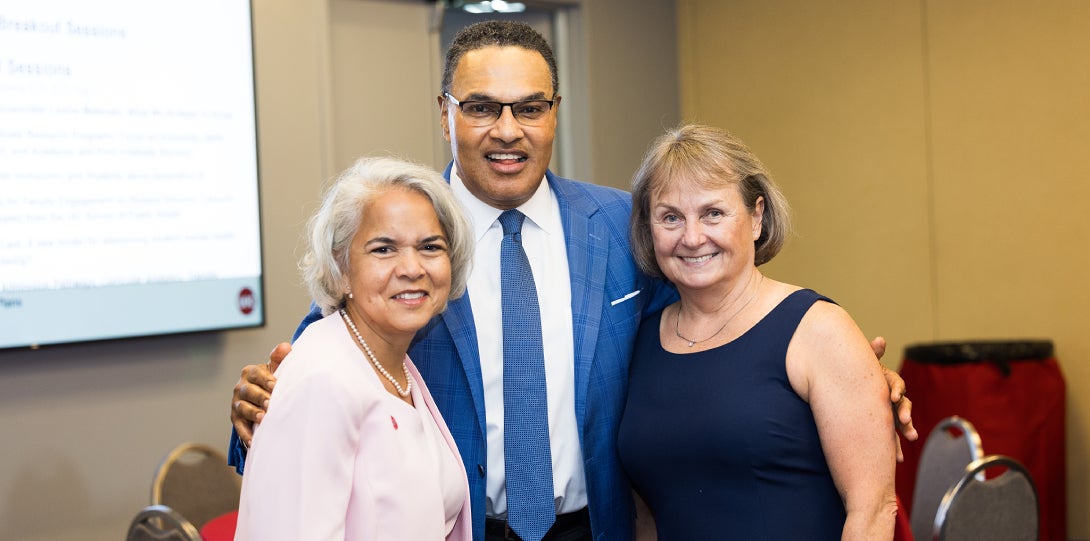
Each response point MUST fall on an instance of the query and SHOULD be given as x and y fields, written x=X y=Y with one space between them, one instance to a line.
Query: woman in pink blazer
x=352 y=446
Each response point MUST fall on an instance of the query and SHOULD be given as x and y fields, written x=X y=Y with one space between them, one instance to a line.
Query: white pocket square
x=624 y=298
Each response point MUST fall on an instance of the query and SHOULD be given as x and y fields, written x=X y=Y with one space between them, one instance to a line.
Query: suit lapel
x=588 y=247
x=458 y=318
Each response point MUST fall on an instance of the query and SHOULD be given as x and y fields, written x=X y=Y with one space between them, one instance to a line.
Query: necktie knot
x=511 y=221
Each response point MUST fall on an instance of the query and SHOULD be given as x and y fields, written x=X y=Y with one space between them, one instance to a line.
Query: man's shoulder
x=577 y=192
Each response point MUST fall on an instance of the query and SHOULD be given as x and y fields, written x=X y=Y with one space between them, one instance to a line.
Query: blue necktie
x=527 y=457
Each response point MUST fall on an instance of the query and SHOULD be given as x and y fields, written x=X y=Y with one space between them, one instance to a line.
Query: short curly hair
x=325 y=265
x=499 y=34
x=714 y=158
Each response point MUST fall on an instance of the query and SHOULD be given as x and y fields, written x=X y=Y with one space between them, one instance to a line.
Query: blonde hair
x=713 y=158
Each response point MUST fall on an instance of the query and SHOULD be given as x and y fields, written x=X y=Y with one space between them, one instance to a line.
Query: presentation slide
x=128 y=170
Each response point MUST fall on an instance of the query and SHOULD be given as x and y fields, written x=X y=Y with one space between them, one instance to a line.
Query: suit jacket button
x=480 y=470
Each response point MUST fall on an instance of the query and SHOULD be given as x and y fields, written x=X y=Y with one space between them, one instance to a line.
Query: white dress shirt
x=543 y=240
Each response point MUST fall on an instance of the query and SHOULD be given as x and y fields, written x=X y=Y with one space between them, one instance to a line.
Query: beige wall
x=384 y=103
x=83 y=427
x=632 y=83
x=935 y=153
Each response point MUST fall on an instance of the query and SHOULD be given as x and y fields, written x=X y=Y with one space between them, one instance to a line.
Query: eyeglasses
x=485 y=113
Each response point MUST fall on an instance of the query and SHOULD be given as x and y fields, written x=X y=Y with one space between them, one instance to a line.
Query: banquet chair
x=951 y=446
x=1002 y=508
x=195 y=481
x=161 y=523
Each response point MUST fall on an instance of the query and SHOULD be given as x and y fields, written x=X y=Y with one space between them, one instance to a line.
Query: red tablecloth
x=221 y=528
x=903 y=530
x=1017 y=406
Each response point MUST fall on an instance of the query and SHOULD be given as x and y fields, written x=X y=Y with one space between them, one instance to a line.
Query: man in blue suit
x=498 y=111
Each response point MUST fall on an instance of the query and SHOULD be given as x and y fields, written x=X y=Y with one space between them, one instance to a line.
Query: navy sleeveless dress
x=719 y=445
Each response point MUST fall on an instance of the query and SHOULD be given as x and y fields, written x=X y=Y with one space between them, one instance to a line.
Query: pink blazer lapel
x=463 y=527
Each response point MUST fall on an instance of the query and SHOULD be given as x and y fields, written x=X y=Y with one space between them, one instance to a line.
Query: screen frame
x=257 y=317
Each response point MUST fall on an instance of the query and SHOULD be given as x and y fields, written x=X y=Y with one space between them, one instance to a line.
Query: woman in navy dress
x=756 y=409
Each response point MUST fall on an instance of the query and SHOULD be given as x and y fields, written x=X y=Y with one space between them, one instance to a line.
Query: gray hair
x=713 y=158
x=325 y=264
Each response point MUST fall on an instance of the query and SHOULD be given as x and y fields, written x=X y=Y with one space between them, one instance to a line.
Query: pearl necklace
x=367 y=349
x=692 y=342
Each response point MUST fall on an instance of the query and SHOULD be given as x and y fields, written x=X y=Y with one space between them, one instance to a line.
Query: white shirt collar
x=537 y=208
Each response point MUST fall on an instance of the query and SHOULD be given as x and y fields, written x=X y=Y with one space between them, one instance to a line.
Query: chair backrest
x=1002 y=508
x=951 y=446
x=195 y=481
x=161 y=523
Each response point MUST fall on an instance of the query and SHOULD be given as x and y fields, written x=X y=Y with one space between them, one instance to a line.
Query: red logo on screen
x=246 y=301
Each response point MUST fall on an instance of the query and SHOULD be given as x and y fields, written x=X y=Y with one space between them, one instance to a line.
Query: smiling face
x=504 y=163
x=703 y=237
x=399 y=265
